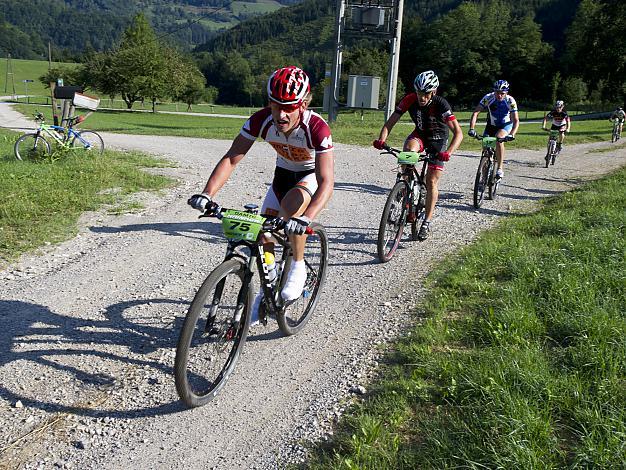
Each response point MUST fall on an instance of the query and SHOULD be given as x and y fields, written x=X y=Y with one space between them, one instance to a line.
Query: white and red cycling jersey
x=297 y=151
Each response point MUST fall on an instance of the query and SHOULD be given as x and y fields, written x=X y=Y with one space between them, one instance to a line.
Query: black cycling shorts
x=284 y=180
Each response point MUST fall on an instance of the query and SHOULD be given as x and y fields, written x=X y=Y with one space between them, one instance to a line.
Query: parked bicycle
x=216 y=326
x=553 y=148
x=406 y=202
x=486 y=179
x=37 y=146
x=615 y=136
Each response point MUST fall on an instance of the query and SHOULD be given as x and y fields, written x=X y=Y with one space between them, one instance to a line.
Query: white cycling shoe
x=500 y=173
x=296 y=279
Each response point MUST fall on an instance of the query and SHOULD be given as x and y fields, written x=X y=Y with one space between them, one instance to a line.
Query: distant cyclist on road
x=433 y=119
x=620 y=116
x=502 y=118
x=304 y=175
x=560 y=122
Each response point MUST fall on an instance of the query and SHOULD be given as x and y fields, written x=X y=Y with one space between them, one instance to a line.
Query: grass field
x=25 y=70
x=40 y=202
x=349 y=129
x=520 y=360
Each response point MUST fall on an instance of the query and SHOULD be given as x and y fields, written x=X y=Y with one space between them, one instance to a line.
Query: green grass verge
x=40 y=203
x=520 y=361
x=349 y=128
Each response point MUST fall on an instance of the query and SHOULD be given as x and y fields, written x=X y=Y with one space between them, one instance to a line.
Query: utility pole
x=335 y=74
x=394 y=61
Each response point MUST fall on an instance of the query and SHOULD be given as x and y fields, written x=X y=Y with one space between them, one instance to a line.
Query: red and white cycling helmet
x=288 y=85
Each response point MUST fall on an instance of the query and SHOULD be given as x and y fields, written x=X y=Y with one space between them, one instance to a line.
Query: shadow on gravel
x=361 y=188
x=207 y=229
x=343 y=242
x=79 y=365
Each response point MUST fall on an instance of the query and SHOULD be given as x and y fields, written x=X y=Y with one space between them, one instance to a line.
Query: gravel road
x=88 y=328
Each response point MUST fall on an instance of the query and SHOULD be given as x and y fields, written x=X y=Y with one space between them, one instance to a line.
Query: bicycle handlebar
x=507 y=138
x=271 y=223
x=394 y=151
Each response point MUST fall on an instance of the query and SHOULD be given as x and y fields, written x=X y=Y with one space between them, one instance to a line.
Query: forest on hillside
x=545 y=48
x=75 y=26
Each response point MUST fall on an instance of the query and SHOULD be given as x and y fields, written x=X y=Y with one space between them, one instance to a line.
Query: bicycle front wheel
x=31 y=147
x=90 y=141
x=213 y=334
x=481 y=181
x=293 y=318
x=392 y=222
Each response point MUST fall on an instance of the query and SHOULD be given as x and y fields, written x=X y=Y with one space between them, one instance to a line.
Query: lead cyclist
x=304 y=175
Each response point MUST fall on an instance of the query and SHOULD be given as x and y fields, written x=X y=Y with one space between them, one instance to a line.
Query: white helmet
x=426 y=81
x=559 y=104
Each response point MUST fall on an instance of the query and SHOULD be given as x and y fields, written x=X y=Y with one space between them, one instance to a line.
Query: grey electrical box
x=368 y=16
x=363 y=91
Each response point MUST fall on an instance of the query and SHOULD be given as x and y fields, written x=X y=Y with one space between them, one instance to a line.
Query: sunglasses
x=288 y=108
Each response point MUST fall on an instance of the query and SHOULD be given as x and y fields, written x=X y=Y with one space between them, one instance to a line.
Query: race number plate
x=238 y=225
x=408 y=158
x=489 y=142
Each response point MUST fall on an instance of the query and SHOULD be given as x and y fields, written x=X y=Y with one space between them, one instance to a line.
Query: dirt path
x=88 y=328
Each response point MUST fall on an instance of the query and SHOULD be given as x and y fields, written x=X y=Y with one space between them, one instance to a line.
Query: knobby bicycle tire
x=90 y=141
x=211 y=341
x=31 y=147
x=296 y=315
x=481 y=181
x=392 y=222
x=615 y=136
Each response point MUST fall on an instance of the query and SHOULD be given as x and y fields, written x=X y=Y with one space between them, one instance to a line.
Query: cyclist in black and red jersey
x=560 y=122
x=304 y=175
x=433 y=120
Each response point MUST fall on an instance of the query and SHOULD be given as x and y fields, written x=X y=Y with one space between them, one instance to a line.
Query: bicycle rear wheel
x=90 y=141
x=293 y=318
x=392 y=222
x=481 y=181
x=31 y=147
x=212 y=338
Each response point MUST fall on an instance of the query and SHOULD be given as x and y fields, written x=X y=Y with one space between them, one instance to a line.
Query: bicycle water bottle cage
x=408 y=158
x=239 y=225
x=489 y=142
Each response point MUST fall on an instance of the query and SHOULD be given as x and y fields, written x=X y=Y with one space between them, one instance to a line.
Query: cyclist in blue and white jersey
x=503 y=119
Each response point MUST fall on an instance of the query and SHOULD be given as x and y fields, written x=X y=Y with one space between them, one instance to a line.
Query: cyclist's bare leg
x=432 y=194
x=500 y=148
x=295 y=203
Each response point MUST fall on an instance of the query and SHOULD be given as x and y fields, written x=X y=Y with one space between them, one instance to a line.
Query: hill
x=76 y=26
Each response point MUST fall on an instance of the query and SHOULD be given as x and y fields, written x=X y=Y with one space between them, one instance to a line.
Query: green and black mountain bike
x=216 y=326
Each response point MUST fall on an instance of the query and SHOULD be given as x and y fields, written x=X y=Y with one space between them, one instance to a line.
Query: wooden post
x=55 y=116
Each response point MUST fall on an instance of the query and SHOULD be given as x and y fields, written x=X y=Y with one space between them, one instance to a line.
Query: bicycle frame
x=256 y=253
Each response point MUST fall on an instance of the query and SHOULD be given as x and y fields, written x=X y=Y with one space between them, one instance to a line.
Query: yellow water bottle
x=271 y=265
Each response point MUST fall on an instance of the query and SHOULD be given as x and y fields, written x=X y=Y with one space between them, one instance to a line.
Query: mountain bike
x=217 y=322
x=553 y=149
x=486 y=179
x=615 y=136
x=36 y=146
x=406 y=202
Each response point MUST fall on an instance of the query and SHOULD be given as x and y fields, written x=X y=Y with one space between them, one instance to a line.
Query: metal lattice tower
x=371 y=18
